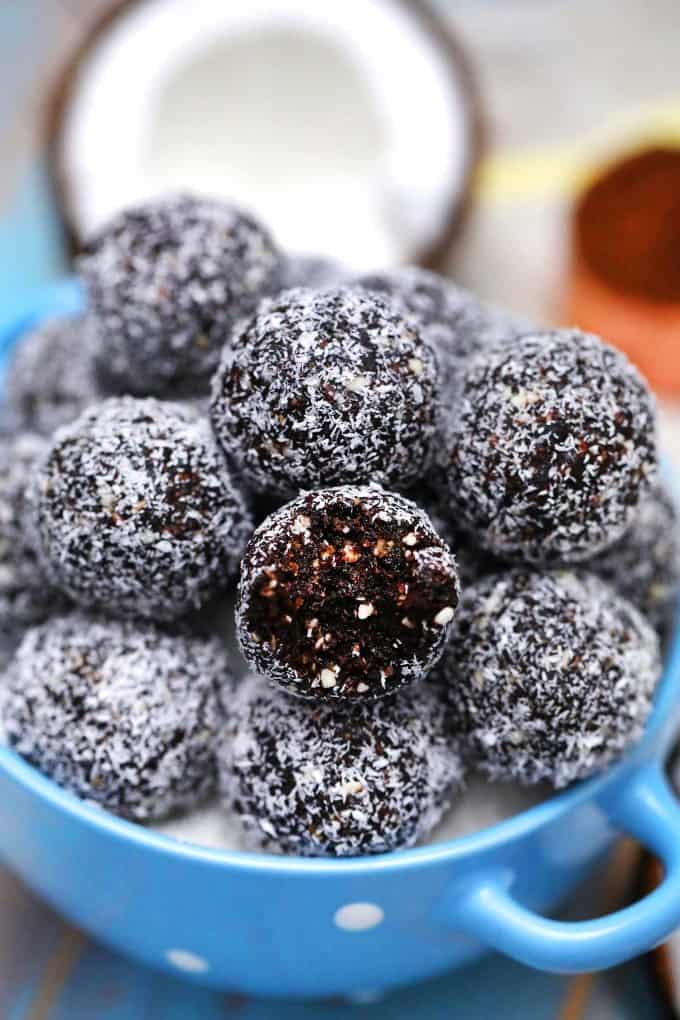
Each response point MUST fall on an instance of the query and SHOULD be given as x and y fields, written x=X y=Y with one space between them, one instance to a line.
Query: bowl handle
x=646 y=809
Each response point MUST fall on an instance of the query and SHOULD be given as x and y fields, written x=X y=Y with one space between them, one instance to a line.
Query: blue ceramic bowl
x=281 y=926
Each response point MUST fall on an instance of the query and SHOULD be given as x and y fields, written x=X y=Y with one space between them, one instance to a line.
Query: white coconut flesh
x=345 y=127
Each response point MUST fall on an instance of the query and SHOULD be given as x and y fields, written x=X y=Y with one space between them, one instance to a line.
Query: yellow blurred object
x=562 y=170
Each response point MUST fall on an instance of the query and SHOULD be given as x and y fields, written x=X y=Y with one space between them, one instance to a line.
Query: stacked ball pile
x=465 y=562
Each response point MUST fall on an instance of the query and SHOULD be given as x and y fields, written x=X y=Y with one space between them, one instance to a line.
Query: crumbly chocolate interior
x=348 y=597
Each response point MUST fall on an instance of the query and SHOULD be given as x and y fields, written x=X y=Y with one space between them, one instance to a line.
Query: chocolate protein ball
x=326 y=387
x=455 y=322
x=345 y=593
x=644 y=565
x=167 y=280
x=549 y=675
x=26 y=597
x=329 y=780
x=311 y=271
x=50 y=376
x=135 y=512
x=550 y=448
x=118 y=713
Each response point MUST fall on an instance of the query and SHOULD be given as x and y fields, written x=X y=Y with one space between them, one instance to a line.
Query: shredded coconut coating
x=50 y=376
x=345 y=593
x=118 y=713
x=324 y=388
x=455 y=322
x=311 y=271
x=550 y=448
x=324 y=780
x=26 y=597
x=135 y=512
x=644 y=565
x=166 y=282
x=550 y=676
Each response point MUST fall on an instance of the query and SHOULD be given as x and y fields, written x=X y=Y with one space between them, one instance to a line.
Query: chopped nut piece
x=301 y=524
x=444 y=616
x=357 y=384
x=352 y=787
x=327 y=678
x=350 y=553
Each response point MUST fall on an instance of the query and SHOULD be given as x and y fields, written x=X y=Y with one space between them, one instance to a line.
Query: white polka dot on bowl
x=358 y=916
x=189 y=962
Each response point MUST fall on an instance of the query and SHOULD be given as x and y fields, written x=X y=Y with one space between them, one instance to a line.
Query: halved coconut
x=350 y=129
